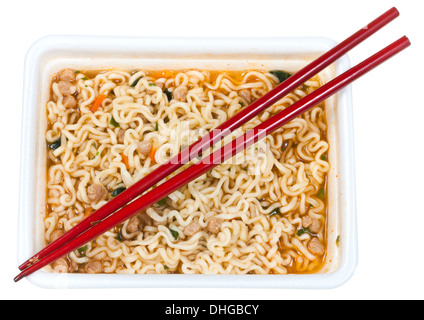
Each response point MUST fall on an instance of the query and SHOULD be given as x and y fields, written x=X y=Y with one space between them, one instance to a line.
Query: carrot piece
x=98 y=102
x=125 y=160
x=88 y=212
x=153 y=152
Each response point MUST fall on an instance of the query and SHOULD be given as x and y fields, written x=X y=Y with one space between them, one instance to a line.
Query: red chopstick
x=223 y=154
x=220 y=132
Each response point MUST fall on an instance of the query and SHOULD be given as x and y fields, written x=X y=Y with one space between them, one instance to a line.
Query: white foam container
x=51 y=54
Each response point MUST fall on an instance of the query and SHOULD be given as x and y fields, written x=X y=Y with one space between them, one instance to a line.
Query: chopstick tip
x=395 y=11
x=403 y=42
x=18 y=277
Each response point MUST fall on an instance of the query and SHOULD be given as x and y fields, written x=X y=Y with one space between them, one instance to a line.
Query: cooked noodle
x=261 y=212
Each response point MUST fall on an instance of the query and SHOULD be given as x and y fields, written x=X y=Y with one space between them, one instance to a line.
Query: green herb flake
x=85 y=78
x=55 y=144
x=152 y=84
x=118 y=191
x=77 y=71
x=165 y=267
x=281 y=75
x=338 y=240
x=303 y=231
x=168 y=94
x=323 y=157
x=321 y=194
x=119 y=236
x=83 y=249
x=162 y=202
x=275 y=212
x=114 y=123
x=310 y=205
x=157 y=126
x=135 y=82
x=174 y=233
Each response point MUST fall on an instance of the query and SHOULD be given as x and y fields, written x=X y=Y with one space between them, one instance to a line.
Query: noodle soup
x=262 y=212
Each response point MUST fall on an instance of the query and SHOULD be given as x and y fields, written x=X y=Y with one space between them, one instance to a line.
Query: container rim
x=50 y=46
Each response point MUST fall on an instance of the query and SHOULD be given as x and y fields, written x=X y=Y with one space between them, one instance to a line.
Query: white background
x=388 y=122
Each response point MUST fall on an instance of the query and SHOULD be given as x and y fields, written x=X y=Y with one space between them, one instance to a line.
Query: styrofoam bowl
x=51 y=54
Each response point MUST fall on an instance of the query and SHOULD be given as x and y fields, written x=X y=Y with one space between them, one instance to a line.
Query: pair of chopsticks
x=123 y=207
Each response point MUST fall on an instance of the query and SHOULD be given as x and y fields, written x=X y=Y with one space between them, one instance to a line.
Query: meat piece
x=145 y=220
x=316 y=247
x=214 y=225
x=67 y=75
x=306 y=221
x=93 y=267
x=96 y=192
x=60 y=266
x=133 y=224
x=69 y=102
x=192 y=229
x=121 y=136
x=56 y=235
x=144 y=148
x=66 y=88
x=313 y=224
x=315 y=227
x=246 y=95
x=180 y=94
